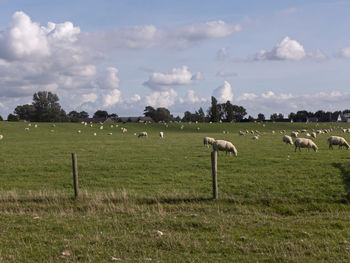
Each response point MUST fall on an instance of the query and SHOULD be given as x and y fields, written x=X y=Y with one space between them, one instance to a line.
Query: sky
x=121 y=56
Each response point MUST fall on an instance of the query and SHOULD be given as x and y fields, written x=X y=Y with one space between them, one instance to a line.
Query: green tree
x=261 y=117
x=101 y=114
x=47 y=107
x=12 y=117
x=214 y=111
x=25 y=112
x=1 y=119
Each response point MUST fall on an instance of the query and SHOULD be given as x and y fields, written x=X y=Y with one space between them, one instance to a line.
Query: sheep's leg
x=295 y=150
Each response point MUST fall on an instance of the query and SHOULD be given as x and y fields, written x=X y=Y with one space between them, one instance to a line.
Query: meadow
x=150 y=199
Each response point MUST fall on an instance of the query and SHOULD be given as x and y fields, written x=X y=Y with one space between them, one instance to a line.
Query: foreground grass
x=275 y=205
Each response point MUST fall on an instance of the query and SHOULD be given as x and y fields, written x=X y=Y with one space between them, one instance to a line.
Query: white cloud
x=109 y=79
x=165 y=81
x=345 y=52
x=112 y=98
x=23 y=39
x=223 y=93
x=287 y=49
x=161 y=98
x=149 y=36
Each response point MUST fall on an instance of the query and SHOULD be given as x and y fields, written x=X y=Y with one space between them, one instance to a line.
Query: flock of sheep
x=222 y=145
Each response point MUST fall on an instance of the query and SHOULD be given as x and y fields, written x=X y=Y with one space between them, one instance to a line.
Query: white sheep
x=36 y=126
x=313 y=135
x=240 y=133
x=101 y=127
x=1 y=136
x=124 y=130
x=95 y=134
x=161 y=135
x=110 y=133
x=143 y=134
x=256 y=137
x=26 y=129
x=208 y=140
x=337 y=140
x=287 y=139
x=294 y=134
x=305 y=143
x=79 y=131
x=221 y=145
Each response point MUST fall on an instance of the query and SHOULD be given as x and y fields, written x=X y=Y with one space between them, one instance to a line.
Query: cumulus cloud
x=22 y=39
x=287 y=49
x=111 y=98
x=161 y=98
x=177 y=77
x=223 y=93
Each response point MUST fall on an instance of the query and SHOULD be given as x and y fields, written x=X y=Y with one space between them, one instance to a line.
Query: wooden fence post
x=75 y=175
x=214 y=167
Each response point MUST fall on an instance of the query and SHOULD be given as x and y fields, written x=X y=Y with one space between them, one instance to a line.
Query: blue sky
x=120 y=56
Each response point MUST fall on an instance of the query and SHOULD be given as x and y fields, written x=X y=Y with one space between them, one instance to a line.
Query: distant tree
x=113 y=115
x=177 y=118
x=214 y=111
x=159 y=114
x=25 y=112
x=238 y=113
x=101 y=114
x=149 y=111
x=47 y=107
x=187 y=116
x=261 y=117
x=228 y=111
x=1 y=119
x=84 y=115
x=12 y=117
x=276 y=117
x=201 y=115
x=251 y=119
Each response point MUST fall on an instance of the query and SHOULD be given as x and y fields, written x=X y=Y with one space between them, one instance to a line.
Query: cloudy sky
x=120 y=56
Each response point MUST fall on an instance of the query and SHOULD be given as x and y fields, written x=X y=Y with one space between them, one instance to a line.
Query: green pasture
x=275 y=205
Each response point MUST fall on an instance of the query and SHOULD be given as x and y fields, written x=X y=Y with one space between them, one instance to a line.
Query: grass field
x=275 y=205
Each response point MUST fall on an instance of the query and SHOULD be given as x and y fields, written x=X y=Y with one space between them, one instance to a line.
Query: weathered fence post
x=75 y=174
x=214 y=167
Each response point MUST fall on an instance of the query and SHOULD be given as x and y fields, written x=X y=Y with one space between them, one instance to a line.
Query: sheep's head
x=315 y=147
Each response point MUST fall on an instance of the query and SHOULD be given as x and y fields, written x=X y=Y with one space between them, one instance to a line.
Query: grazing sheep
x=305 y=143
x=287 y=139
x=1 y=136
x=79 y=131
x=273 y=132
x=336 y=140
x=313 y=135
x=256 y=137
x=307 y=134
x=95 y=134
x=26 y=129
x=161 y=135
x=241 y=133
x=294 y=134
x=101 y=127
x=143 y=134
x=221 y=145
x=110 y=133
x=36 y=126
x=208 y=140
x=124 y=130
x=112 y=126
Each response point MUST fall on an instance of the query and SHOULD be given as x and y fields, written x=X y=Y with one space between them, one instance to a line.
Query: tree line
x=46 y=108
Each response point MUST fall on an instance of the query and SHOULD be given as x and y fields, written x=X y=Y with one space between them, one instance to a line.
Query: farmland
x=149 y=199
